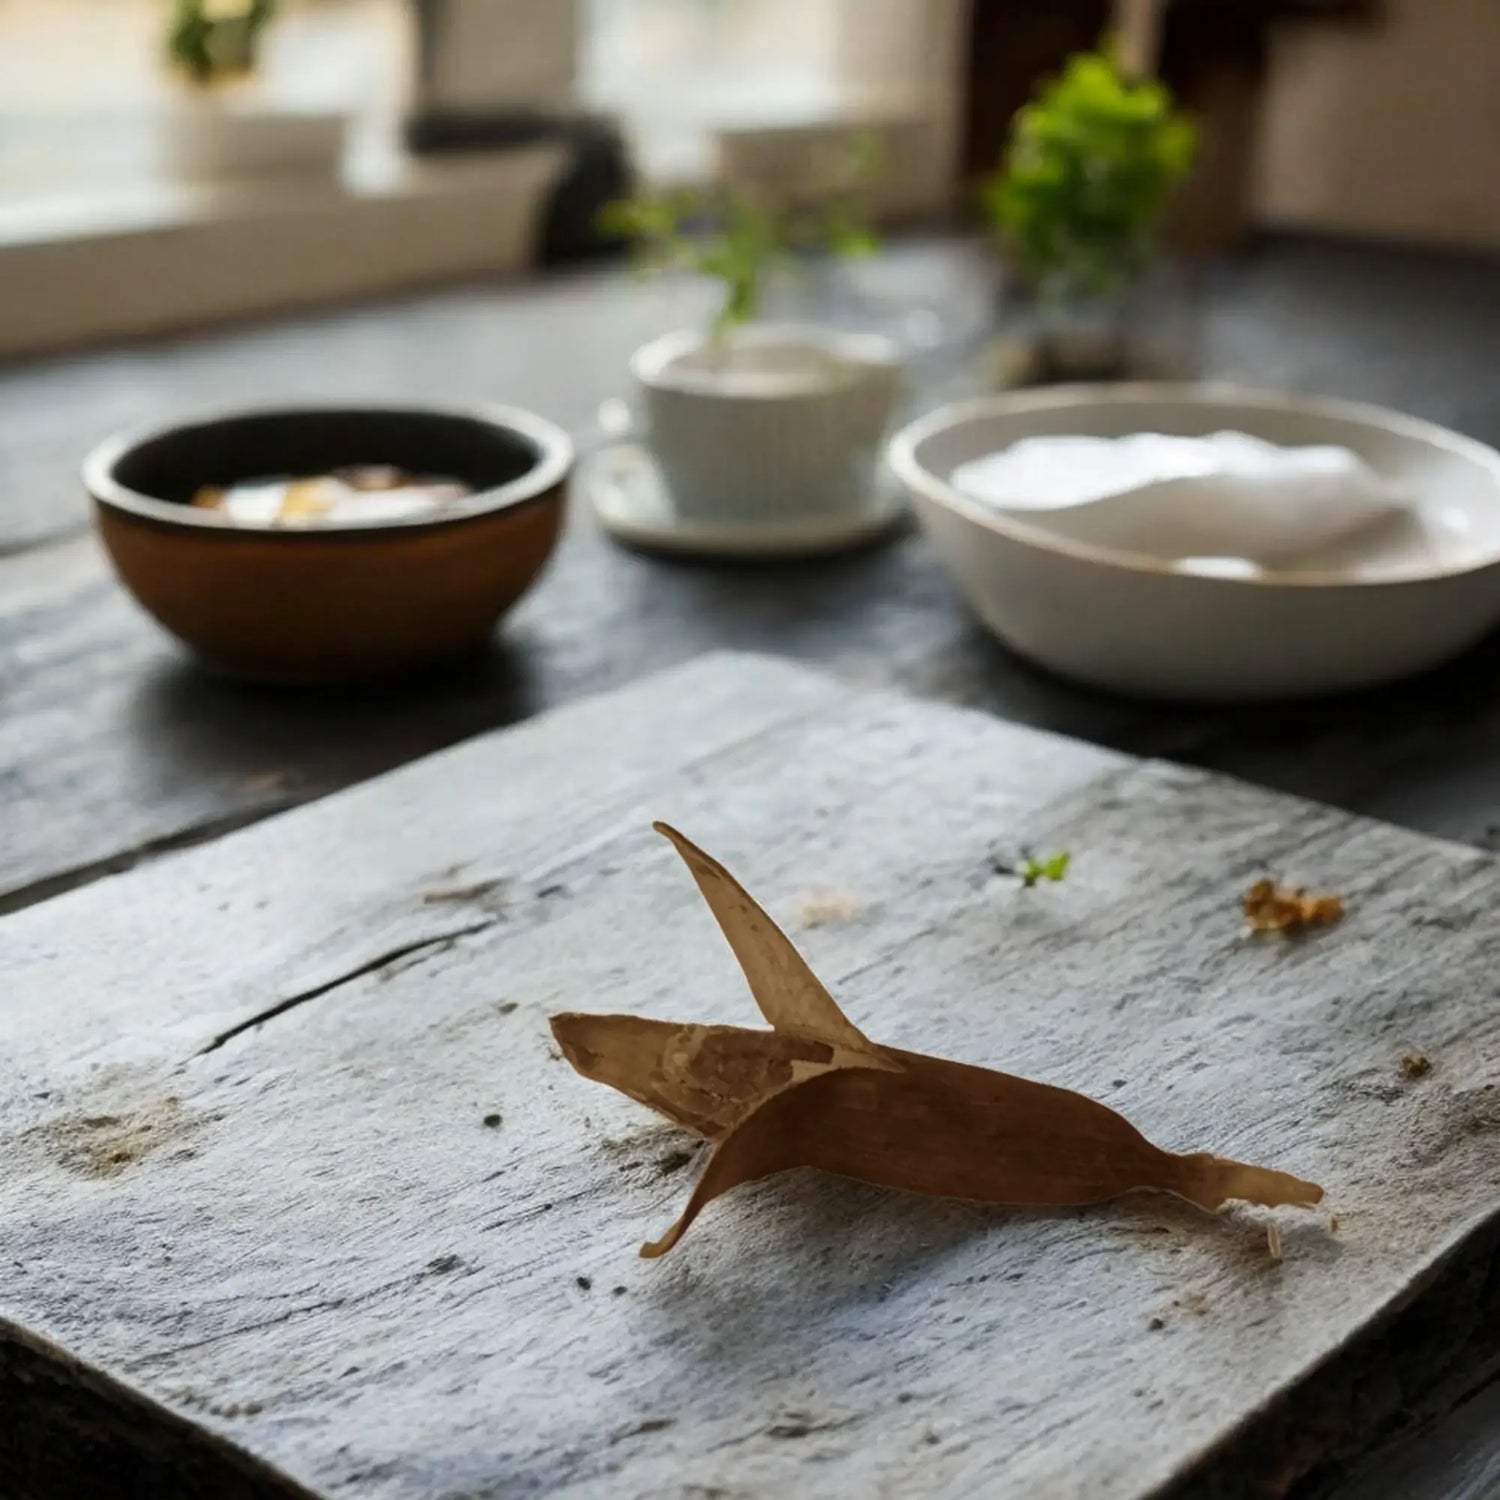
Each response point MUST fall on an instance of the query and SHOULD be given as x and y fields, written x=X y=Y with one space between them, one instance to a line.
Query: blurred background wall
x=1374 y=118
x=1370 y=117
x=1390 y=128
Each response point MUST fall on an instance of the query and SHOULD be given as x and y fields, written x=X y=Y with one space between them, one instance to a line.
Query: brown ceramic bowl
x=337 y=601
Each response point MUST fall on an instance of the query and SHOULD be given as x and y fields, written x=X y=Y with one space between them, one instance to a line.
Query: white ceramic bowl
x=1135 y=624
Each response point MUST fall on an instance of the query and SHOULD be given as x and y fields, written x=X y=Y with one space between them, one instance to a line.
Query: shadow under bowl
x=340 y=601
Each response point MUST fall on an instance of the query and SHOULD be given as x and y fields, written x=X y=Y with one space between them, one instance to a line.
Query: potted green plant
x=749 y=420
x=223 y=122
x=1079 y=206
x=211 y=40
x=743 y=237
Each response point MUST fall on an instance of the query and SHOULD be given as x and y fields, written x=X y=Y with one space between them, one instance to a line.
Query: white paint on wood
x=308 y=1240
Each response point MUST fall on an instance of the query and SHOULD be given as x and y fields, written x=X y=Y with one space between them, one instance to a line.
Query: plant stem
x=1136 y=28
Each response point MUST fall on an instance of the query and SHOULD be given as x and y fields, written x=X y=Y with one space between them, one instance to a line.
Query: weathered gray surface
x=305 y=1239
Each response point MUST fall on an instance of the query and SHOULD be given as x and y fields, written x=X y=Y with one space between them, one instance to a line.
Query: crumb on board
x=1333 y=1223
x=1415 y=1064
x=1273 y=1240
x=1196 y=1303
x=493 y=1119
x=824 y=907
x=1270 y=907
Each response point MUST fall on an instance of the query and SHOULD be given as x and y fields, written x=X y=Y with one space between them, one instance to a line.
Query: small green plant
x=212 y=40
x=1031 y=868
x=1053 y=867
x=738 y=237
x=1091 y=167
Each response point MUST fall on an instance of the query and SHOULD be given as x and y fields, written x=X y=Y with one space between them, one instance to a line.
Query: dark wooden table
x=114 y=748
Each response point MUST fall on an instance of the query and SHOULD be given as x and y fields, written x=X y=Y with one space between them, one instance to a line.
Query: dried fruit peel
x=816 y=1092
x=790 y=996
x=1277 y=908
x=704 y=1078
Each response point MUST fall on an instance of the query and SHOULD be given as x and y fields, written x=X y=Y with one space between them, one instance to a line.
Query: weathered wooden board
x=244 y=1095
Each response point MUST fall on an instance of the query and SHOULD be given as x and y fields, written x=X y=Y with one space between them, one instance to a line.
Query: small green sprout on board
x=1048 y=867
x=209 y=41
x=1030 y=869
x=1090 y=169
x=737 y=236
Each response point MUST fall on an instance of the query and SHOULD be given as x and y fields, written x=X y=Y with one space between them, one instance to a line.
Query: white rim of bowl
x=901 y=456
x=653 y=364
x=554 y=460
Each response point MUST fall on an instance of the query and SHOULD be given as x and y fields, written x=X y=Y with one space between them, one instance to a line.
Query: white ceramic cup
x=769 y=422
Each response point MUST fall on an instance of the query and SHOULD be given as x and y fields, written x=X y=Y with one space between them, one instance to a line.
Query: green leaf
x=1090 y=169
x=736 y=236
x=206 y=43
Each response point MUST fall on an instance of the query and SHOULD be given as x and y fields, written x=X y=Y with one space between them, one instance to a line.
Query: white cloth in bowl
x=1227 y=495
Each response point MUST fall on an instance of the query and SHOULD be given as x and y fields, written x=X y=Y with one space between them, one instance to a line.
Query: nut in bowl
x=332 y=544
x=1354 y=547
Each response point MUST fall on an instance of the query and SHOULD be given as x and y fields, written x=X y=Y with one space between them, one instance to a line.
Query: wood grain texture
x=306 y=1240
x=1469 y=1442
x=113 y=746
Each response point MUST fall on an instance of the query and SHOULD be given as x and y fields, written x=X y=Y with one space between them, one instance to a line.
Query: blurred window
x=83 y=84
x=681 y=71
x=705 y=56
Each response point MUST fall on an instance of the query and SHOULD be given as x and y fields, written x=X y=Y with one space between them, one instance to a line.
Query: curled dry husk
x=814 y=1091
x=1277 y=908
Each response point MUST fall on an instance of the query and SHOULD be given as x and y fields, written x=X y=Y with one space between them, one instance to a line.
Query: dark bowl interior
x=173 y=465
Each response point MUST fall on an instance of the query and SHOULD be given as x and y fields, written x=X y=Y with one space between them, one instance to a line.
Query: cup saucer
x=626 y=490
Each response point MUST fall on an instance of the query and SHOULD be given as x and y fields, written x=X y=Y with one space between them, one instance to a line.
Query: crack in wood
x=790 y=1427
x=317 y=991
x=642 y=1428
x=129 y=859
x=307 y=1309
x=304 y=1310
